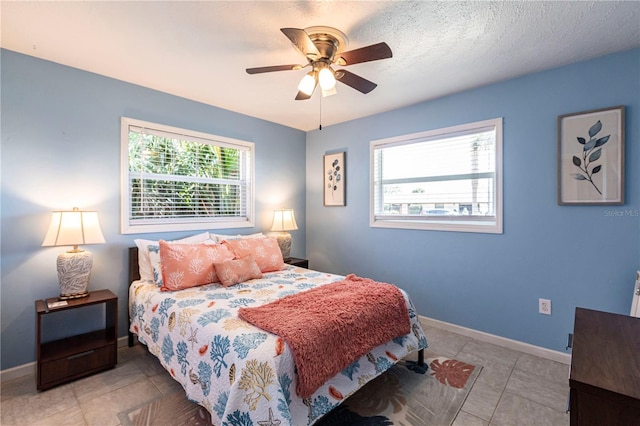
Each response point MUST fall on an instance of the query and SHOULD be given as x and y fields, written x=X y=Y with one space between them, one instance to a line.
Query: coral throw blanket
x=329 y=327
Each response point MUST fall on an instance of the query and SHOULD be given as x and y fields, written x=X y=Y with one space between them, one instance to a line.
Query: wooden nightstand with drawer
x=63 y=360
x=301 y=263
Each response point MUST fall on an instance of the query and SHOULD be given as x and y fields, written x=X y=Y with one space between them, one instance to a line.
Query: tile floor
x=513 y=388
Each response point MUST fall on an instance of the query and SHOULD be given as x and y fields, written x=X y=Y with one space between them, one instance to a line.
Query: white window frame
x=135 y=226
x=444 y=223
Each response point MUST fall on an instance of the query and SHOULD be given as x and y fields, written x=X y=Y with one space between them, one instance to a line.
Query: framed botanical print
x=334 y=179
x=591 y=157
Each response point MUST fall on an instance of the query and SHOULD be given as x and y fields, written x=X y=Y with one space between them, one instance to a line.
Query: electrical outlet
x=544 y=306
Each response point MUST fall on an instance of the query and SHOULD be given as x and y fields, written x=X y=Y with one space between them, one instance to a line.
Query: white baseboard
x=19 y=371
x=500 y=341
x=29 y=369
x=123 y=341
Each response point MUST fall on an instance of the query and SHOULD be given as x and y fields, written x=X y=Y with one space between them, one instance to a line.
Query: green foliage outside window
x=170 y=177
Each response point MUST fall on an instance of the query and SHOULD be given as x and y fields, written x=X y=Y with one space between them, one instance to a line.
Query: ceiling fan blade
x=302 y=96
x=259 y=70
x=364 y=54
x=302 y=42
x=350 y=79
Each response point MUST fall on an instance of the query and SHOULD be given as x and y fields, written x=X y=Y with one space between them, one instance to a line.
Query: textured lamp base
x=73 y=296
x=74 y=269
x=284 y=241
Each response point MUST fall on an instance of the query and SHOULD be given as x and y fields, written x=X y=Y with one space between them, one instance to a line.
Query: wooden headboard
x=134 y=274
x=134 y=270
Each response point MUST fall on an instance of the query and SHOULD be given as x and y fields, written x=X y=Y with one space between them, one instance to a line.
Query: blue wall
x=574 y=255
x=61 y=148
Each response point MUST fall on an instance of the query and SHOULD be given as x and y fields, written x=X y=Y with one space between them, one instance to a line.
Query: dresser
x=605 y=369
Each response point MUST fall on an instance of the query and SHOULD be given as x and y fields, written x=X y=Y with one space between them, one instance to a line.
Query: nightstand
x=63 y=360
x=301 y=263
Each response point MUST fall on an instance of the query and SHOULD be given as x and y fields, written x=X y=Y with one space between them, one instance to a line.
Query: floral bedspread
x=241 y=374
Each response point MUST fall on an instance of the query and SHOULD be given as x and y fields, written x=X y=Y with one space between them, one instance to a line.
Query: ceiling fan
x=323 y=47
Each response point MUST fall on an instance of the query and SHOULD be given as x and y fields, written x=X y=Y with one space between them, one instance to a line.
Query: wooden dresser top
x=606 y=351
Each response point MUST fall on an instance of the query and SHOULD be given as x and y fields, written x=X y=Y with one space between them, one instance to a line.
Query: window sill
x=488 y=227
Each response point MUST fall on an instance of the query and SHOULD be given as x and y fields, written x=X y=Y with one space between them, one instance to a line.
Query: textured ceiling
x=199 y=50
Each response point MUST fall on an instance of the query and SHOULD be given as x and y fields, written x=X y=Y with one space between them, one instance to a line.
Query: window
x=447 y=179
x=175 y=179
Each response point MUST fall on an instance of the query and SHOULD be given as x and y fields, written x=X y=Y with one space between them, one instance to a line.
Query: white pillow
x=220 y=237
x=144 y=262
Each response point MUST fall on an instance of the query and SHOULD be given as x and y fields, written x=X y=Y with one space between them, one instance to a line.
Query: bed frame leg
x=420 y=366
x=130 y=341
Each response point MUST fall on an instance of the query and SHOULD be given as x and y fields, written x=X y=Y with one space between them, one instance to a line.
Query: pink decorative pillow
x=265 y=251
x=145 y=263
x=189 y=265
x=236 y=271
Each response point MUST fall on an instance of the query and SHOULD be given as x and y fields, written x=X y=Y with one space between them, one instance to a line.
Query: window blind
x=175 y=177
x=448 y=175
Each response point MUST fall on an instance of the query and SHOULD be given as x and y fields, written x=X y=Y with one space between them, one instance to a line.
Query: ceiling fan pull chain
x=320 y=128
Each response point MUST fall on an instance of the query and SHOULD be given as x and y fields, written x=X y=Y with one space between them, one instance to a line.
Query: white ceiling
x=199 y=50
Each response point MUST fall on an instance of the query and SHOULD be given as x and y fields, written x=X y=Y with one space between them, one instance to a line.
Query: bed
x=240 y=373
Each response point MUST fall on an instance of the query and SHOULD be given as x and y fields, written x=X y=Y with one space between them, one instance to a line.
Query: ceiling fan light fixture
x=307 y=84
x=322 y=48
x=326 y=79
x=329 y=92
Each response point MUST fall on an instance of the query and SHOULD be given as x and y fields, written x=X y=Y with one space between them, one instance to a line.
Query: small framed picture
x=591 y=157
x=334 y=179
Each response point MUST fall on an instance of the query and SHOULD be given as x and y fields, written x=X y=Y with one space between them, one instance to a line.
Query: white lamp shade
x=307 y=84
x=284 y=220
x=327 y=79
x=329 y=92
x=72 y=228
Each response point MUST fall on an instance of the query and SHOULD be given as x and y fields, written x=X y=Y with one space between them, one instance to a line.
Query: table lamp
x=284 y=220
x=72 y=228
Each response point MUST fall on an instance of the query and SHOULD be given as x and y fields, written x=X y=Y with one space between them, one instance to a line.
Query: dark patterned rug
x=399 y=396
